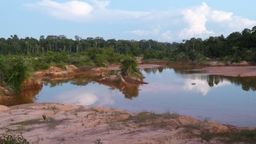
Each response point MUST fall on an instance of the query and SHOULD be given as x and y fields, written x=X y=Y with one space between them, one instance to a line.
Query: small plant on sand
x=98 y=141
x=13 y=139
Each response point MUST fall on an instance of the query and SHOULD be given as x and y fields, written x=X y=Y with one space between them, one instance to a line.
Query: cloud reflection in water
x=85 y=97
x=201 y=86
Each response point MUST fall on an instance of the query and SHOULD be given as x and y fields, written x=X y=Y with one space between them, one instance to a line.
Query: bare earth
x=141 y=66
x=233 y=71
x=66 y=124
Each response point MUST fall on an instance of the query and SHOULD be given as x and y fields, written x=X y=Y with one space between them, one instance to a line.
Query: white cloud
x=201 y=86
x=198 y=17
x=70 y=10
x=238 y=23
x=100 y=4
x=85 y=99
x=169 y=25
x=220 y=16
x=81 y=10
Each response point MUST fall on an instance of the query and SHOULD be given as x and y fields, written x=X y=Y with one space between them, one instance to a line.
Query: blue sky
x=163 y=20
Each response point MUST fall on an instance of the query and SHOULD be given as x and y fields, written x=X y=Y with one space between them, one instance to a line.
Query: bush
x=13 y=139
x=129 y=67
x=13 y=71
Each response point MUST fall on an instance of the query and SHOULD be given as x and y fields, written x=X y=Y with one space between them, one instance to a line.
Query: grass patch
x=51 y=123
x=191 y=127
x=12 y=139
x=80 y=109
x=247 y=136
x=30 y=122
x=154 y=120
x=149 y=116
x=207 y=136
x=235 y=136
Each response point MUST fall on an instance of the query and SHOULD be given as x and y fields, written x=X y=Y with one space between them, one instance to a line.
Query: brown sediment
x=54 y=75
x=242 y=69
x=232 y=71
x=71 y=71
x=58 y=123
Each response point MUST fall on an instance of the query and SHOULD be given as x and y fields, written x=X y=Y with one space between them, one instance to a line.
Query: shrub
x=14 y=71
x=13 y=139
x=129 y=67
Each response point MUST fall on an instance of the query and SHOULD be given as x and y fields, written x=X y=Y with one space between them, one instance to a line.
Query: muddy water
x=223 y=99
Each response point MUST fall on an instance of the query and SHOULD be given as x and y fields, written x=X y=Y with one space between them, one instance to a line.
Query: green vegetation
x=235 y=47
x=129 y=67
x=243 y=136
x=21 y=56
x=154 y=120
x=248 y=136
x=234 y=136
x=13 y=71
x=13 y=139
x=150 y=116
x=50 y=122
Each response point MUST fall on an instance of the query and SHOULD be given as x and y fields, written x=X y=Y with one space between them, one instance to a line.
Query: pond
x=224 y=99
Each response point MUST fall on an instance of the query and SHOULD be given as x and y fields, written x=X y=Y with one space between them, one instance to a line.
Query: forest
x=237 y=46
x=21 y=56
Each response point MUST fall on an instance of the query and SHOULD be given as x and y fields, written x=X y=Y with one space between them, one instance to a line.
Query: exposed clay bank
x=232 y=71
x=57 y=123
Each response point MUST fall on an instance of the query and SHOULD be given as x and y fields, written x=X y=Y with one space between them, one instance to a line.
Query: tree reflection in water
x=28 y=95
x=246 y=83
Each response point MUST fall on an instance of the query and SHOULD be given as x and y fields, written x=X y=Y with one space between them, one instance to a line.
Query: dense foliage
x=235 y=47
x=13 y=71
x=19 y=56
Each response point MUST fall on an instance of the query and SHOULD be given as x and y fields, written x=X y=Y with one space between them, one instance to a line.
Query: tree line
x=237 y=46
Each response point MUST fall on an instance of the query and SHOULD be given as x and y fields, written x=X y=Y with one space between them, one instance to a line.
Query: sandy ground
x=233 y=71
x=239 y=70
x=141 y=66
x=66 y=124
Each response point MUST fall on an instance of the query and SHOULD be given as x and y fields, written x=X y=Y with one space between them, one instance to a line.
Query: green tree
x=129 y=67
x=13 y=73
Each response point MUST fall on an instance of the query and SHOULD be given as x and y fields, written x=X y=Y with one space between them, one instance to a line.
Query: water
x=222 y=99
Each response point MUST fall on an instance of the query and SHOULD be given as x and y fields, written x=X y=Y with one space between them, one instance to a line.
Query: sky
x=161 y=20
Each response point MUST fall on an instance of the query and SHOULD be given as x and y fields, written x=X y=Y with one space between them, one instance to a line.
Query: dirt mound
x=232 y=71
x=54 y=71
x=58 y=123
x=71 y=68
x=3 y=108
x=4 y=91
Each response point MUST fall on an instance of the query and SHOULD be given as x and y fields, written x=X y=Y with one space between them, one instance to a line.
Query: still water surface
x=226 y=100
